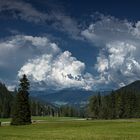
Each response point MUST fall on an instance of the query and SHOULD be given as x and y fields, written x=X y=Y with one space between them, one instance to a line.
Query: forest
x=121 y=103
x=38 y=108
x=117 y=105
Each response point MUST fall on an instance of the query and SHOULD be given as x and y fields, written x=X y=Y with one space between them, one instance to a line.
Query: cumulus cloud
x=18 y=49
x=44 y=63
x=120 y=66
x=61 y=71
x=109 y=29
x=118 y=61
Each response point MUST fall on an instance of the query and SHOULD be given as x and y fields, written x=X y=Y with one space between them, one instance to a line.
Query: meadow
x=49 y=128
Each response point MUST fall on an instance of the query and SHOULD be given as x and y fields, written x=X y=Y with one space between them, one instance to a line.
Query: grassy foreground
x=73 y=129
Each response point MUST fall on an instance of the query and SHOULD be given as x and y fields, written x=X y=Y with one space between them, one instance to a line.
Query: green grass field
x=73 y=129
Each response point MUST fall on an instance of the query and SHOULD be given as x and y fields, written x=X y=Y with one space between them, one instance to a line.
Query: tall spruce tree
x=21 y=111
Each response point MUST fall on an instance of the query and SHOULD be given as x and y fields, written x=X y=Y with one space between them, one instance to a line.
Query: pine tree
x=94 y=107
x=112 y=105
x=21 y=111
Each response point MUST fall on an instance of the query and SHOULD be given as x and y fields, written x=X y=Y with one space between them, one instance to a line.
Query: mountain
x=77 y=97
x=72 y=97
x=135 y=86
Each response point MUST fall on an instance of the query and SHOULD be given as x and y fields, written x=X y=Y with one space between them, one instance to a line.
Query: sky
x=80 y=44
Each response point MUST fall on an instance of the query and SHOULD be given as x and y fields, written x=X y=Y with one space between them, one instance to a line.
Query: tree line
x=6 y=99
x=123 y=103
x=20 y=107
x=118 y=104
x=37 y=108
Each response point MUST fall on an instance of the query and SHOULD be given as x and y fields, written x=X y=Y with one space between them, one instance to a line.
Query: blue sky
x=61 y=44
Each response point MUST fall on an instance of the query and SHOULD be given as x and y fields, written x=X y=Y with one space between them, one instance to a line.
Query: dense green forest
x=122 y=103
x=38 y=108
x=6 y=100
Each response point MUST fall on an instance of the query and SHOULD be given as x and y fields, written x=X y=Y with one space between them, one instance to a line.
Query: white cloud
x=109 y=29
x=102 y=63
x=11 y=87
x=61 y=71
x=44 y=63
x=120 y=65
x=118 y=61
x=136 y=30
x=18 y=49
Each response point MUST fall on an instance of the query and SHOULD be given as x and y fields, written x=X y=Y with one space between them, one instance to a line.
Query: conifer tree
x=21 y=111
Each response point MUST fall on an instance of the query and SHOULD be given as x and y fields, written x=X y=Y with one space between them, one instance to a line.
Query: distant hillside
x=6 y=99
x=121 y=103
x=67 y=96
x=38 y=107
x=135 y=86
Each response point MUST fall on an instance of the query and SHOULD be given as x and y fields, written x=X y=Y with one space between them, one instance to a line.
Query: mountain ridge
x=134 y=86
x=67 y=96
